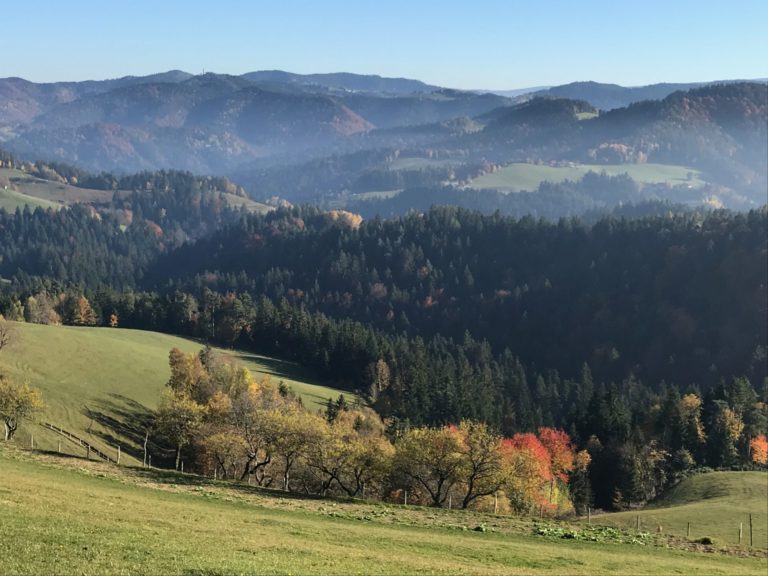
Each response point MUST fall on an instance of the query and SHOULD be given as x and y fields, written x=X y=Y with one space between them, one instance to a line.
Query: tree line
x=228 y=424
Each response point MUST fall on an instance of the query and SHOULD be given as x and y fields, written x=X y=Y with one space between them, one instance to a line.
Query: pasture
x=518 y=177
x=102 y=383
x=64 y=515
x=714 y=504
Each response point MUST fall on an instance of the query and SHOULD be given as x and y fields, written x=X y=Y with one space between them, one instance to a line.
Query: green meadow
x=32 y=191
x=520 y=176
x=714 y=504
x=101 y=383
x=63 y=515
x=55 y=193
x=12 y=199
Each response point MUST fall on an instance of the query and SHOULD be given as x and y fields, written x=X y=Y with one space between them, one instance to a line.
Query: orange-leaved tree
x=758 y=449
x=528 y=470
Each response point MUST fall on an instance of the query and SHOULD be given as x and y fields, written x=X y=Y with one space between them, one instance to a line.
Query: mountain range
x=324 y=137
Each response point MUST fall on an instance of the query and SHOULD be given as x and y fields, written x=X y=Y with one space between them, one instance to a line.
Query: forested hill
x=676 y=298
x=598 y=330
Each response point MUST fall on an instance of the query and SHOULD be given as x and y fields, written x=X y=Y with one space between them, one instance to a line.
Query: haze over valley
x=363 y=317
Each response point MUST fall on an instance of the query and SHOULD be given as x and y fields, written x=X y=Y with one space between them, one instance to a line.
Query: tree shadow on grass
x=177 y=478
x=125 y=422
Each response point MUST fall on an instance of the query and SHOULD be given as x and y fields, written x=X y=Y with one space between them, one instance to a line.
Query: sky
x=478 y=44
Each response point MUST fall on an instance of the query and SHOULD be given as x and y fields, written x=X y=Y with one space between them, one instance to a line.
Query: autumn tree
x=561 y=453
x=580 y=486
x=693 y=430
x=430 y=459
x=367 y=453
x=17 y=402
x=293 y=433
x=758 y=449
x=178 y=418
x=482 y=470
x=226 y=450
x=528 y=470
x=724 y=433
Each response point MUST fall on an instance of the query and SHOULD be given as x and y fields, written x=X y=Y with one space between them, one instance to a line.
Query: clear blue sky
x=494 y=44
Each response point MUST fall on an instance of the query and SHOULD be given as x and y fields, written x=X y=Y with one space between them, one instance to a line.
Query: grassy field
x=250 y=205
x=713 y=503
x=377 y=194
x=415 y=163
x=11 y=199
x=67 y=516
x=96 y=381
x=53 y=192
x=517 y=177
x=38 y=192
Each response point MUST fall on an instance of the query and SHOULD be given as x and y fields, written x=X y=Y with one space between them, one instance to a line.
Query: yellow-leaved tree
x=17 y=402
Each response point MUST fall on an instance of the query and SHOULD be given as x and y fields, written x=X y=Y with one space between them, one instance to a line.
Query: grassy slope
x=517 y=177
x=713 y=503
x=37 y=192
x=54 y=192
x=89 y=375
x=11 y=199
x=85 y=518
x=250 y=205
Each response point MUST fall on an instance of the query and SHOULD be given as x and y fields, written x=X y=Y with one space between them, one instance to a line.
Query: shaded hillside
x=679 y=300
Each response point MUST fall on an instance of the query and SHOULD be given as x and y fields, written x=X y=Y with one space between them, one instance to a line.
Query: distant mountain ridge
x=212 y=123
x=341 y=137
x=610 y=96
x=344 y=81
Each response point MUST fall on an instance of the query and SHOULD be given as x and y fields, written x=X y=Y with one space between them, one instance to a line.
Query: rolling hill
x=714 y=504
x=100 y=383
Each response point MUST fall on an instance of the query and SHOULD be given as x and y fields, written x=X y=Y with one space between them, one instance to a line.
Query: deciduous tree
x=16 y=403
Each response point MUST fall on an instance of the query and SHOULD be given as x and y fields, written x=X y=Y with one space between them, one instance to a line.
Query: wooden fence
x=79 y=441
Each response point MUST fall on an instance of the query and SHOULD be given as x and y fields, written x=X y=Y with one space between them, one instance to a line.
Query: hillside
x=34 y=191
x=714 y=504
x=100 y=383
x=197 y=526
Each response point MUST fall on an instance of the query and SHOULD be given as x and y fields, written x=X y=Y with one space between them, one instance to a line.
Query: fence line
x=79 y=441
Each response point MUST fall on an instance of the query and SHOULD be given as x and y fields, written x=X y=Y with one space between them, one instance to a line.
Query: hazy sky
x=464 y=44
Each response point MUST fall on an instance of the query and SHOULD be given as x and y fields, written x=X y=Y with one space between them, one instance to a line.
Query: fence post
x=750 y=529
x=150 y=460
x=496 y=503
x=688 y=531
x=405 y=494
x=589 y=515
x=450 y=501
x=32 y=441
x=741 y=530
x=59 y=446
x=182 y=466
x=89 y=451
x=637 y=522
x=118 y=454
